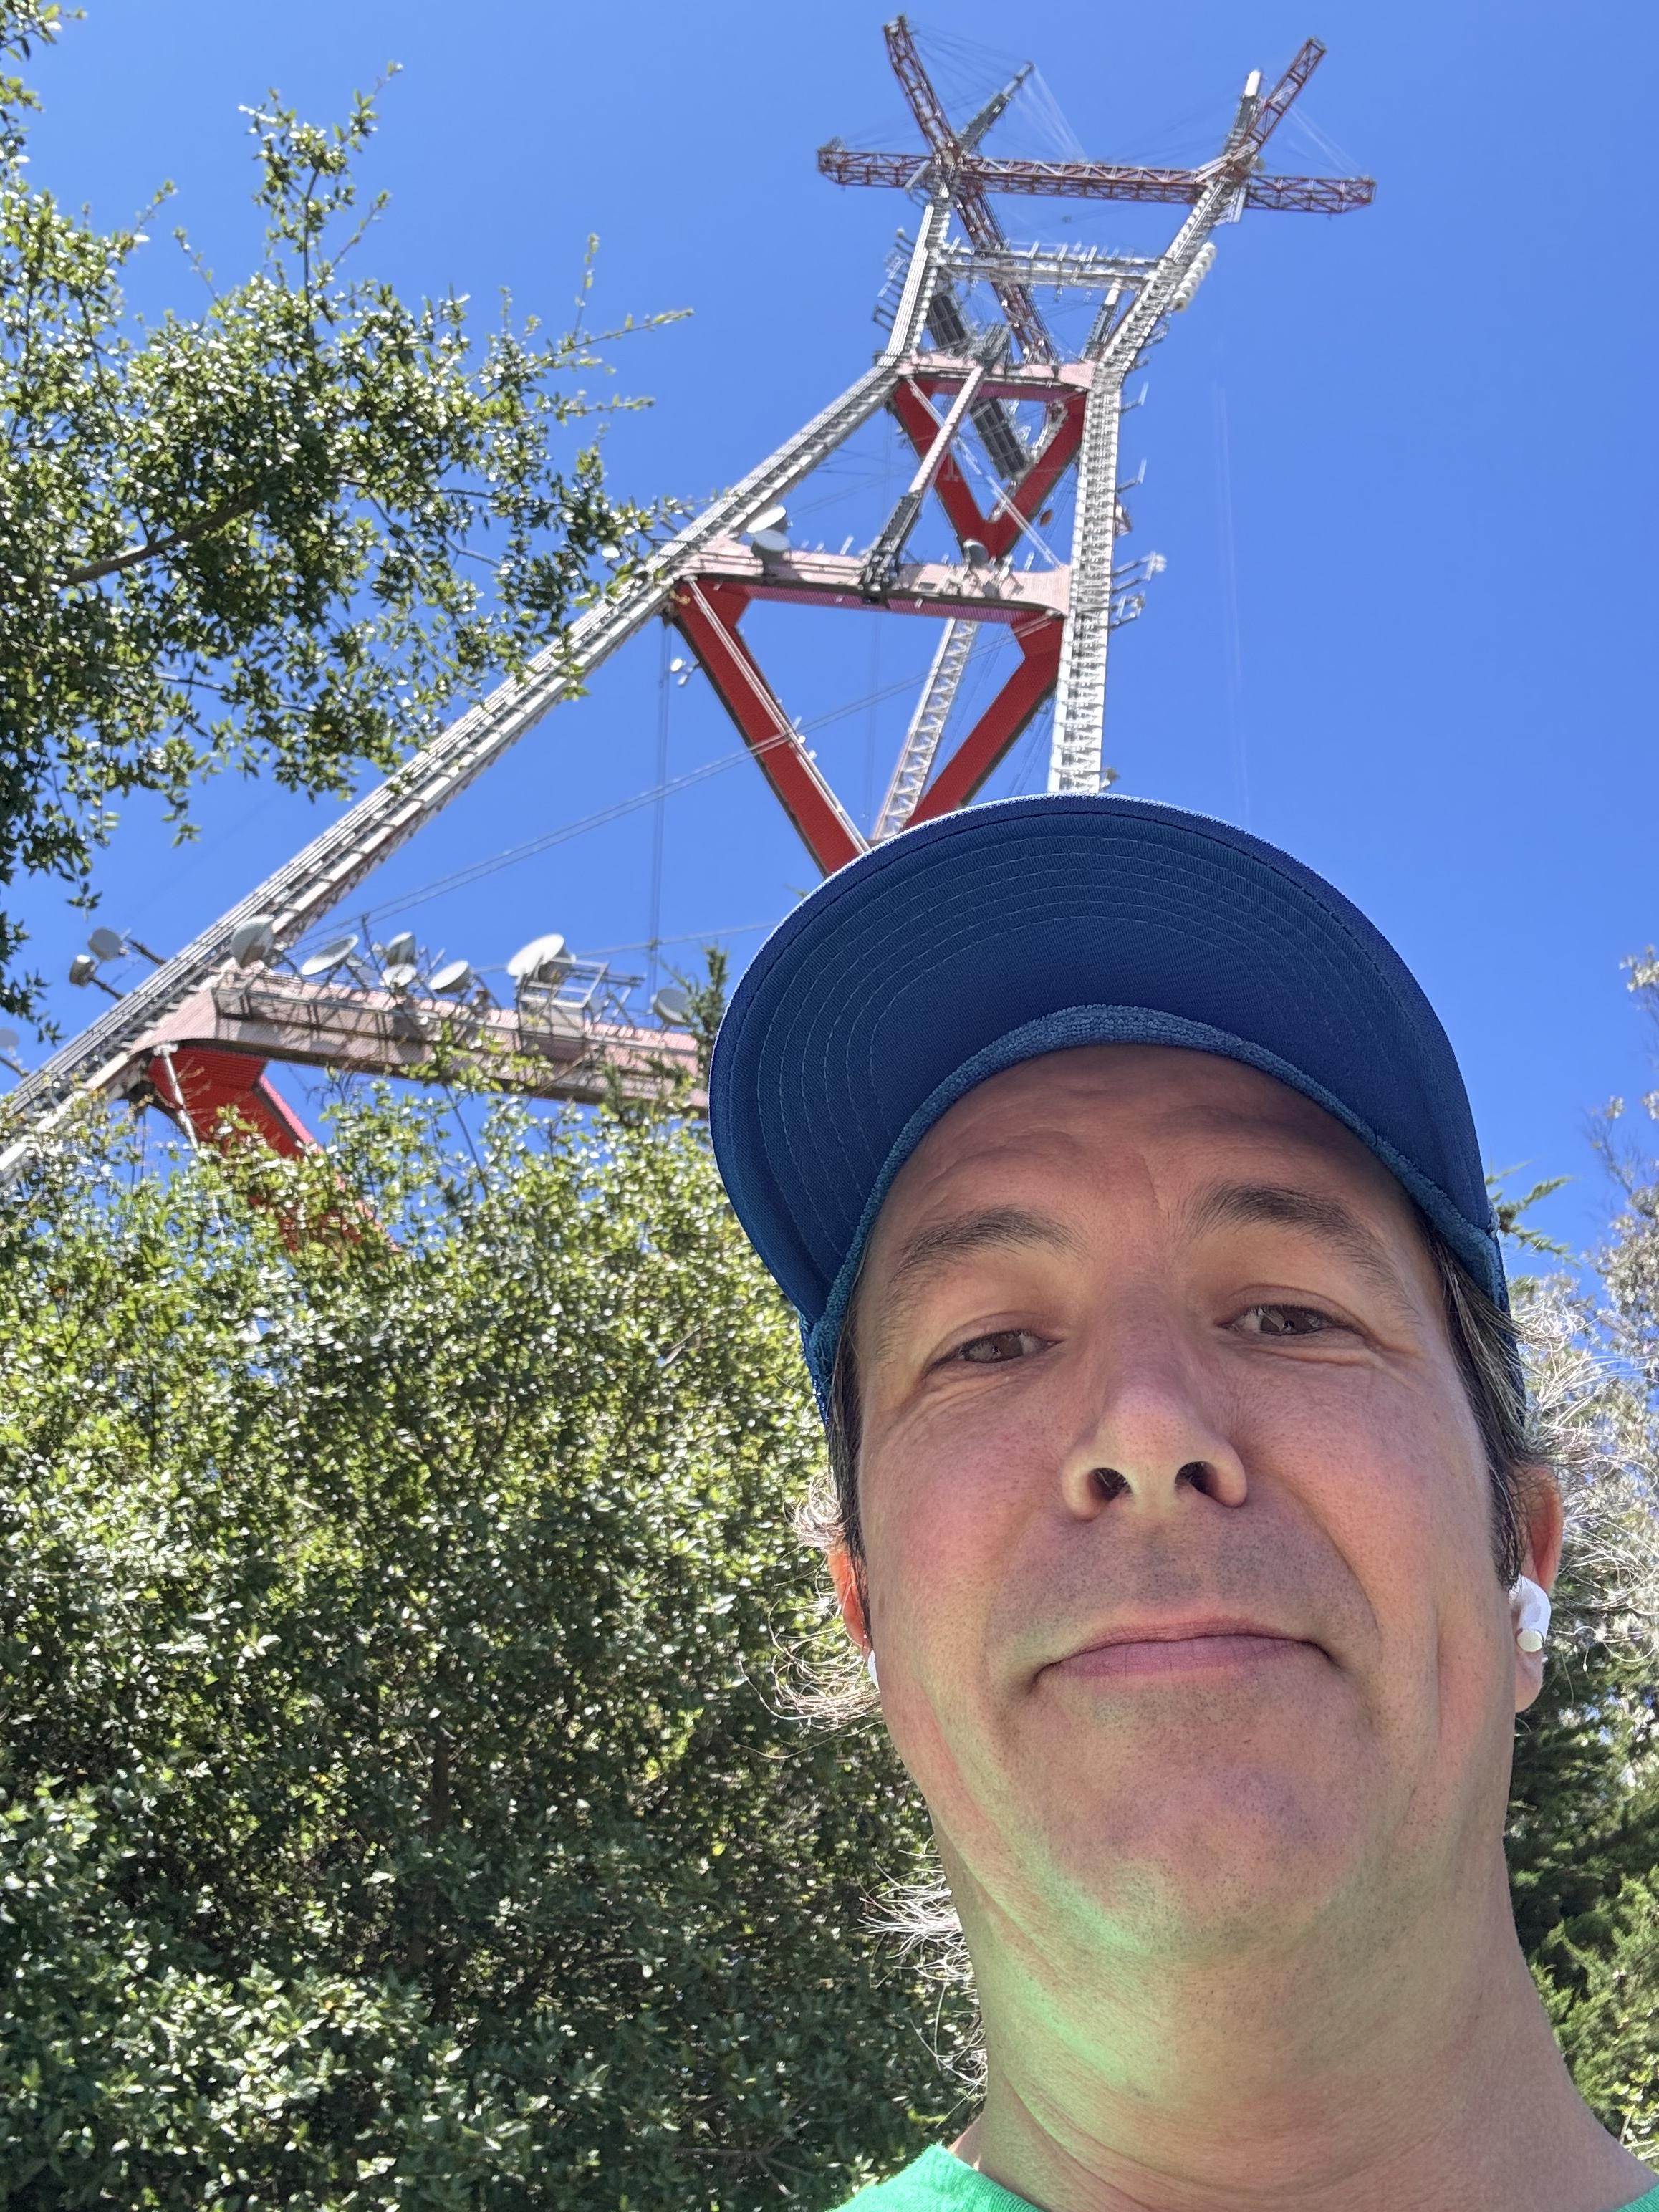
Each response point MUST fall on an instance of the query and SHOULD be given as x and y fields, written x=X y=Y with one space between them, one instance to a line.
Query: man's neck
x=1407 y=2074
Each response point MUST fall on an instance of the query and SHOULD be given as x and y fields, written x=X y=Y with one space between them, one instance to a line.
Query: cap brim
x=1031 y=925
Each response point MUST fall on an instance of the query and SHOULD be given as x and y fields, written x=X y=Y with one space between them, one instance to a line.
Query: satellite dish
x=400 y=974
x=768 y=531
x=333 y=955
x=452 y=979
x=676 y=664
x=254 y=940
x=543 y=960
x=107 y=944
x=83 y=968
x=672 y=1004
x=401 y=951
x=9 y=1041
x=977 y=556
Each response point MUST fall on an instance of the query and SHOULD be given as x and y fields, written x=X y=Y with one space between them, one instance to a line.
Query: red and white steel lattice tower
x=196 y=1033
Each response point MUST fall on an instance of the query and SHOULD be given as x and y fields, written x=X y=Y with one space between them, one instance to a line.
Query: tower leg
x=1074 y=762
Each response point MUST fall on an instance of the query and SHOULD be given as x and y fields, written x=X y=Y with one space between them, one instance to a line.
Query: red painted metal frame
x=705 y=612
x=998 y=532
x=211 y=1083
x=1008 y=714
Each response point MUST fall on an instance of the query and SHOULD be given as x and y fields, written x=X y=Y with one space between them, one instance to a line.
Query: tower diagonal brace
x=706 y=614
x=922 y=740
x=889 y=548
x=998 y=531
x=1010 y=712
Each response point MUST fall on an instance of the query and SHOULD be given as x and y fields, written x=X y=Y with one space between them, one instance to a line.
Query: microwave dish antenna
x=253 y=941
x=454 y=977
x=330 y=959
x=543 y=960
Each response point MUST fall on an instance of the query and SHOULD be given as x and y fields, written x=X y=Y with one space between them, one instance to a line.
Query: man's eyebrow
x=997 y=1228
x=1284 y=1206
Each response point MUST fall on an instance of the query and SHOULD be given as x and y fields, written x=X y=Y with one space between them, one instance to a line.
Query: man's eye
x=1283 y=1321
x=1002 y=1343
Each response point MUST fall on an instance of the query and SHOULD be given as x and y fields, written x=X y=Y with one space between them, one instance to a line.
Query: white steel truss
x=921 y=739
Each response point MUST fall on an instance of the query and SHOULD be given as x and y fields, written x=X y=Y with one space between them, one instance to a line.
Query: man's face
x=1151 y=1346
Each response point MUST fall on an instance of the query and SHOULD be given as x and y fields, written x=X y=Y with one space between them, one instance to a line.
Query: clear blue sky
x=1402 y=464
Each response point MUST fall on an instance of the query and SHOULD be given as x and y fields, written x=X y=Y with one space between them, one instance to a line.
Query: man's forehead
x=1049 y=1117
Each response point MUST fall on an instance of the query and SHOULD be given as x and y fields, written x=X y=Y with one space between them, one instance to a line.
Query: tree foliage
x=397 y=1808
x=286 y=533
x=1584 y=1828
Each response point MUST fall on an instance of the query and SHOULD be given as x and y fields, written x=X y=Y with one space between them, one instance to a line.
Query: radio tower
x=196 y=1034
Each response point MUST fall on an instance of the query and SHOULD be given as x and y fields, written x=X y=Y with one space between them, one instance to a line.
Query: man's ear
x=1543 y=1524
x=844 y=1575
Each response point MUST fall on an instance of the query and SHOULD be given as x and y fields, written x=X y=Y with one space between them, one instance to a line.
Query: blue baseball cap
x=1029 y=926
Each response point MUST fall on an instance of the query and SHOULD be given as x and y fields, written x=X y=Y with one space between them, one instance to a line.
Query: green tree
x=1583 y=1838
x=397 y=1805
x=288 y=532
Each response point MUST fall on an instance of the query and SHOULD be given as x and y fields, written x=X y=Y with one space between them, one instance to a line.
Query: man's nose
x=1151 y=1425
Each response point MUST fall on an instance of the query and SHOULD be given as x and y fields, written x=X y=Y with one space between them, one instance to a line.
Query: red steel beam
x=920 y=425
x=707 y=613
x=997 y=532
x=195 y=1085
x=706 y=610
x=1008 y=714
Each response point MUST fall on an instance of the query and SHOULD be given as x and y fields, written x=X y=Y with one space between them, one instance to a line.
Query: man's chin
x=1216 y=1860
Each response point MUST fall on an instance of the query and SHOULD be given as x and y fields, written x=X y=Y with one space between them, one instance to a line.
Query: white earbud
x=1532 y=1610
x=870 y=1666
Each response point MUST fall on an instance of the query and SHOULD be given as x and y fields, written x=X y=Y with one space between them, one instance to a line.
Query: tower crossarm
x=952 y=163
x=1103 y=180
x=539 y=1046
x=969 y=175
x=1063 y=267
x=975 y=128
x=1266 y=115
